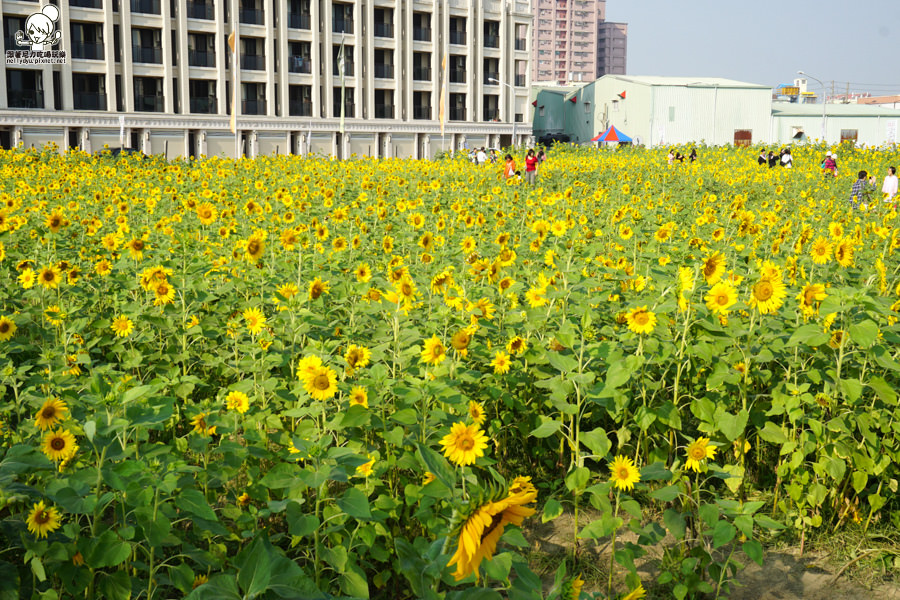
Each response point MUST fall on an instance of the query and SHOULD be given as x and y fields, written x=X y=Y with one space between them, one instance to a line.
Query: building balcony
x=348 y=69
x=300 y=64
x=349 y=109
x=384 y=71
x=521 y=44
x=253 y=107
x=204 y=106
x=422 y=112
x=300 y=108
x=458 y=76
x=148 y=103
x=25 y=99
x=86 y=3
x=384 y=111
x=140 y=54
x=88 y=50
x=491 y=114
x=149 y=7
x=520 y=81
x=253 y=62
x=421 y=34
x=250 y=16
x=196 y=58
x=457 y=114
x=384 y=30
x=342 y=26
x=458 y=37
x=491 y=41
x=422 y=74
x=89 y=101
x=299 y=21
x=200 y=10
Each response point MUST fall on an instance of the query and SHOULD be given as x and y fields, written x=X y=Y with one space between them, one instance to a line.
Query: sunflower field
x=305 y=378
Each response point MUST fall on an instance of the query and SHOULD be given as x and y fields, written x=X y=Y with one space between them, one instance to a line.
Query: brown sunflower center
x=622 y=473
x=48 y=276
x=49 y=412
x=321 y=382
x=641 y=318
x=58 y=443
x=466 y=443
x=697 y=452
x=137 y=245
x=42 y=517
x=4 y=327
x=763 y=290
x=722 y=299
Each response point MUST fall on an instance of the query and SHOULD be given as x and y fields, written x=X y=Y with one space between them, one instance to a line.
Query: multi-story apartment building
x=573 y=42
x=157 y=75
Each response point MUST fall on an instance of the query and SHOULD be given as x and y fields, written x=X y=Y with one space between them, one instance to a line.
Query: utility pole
x=832 y=89
x=847 y=97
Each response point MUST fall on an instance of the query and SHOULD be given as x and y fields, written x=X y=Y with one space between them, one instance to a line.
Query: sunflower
x=288 y=291
x=308 y=365
x=359 y=397
x=256 y=246
x=767 y=295
x=122 y=326
x=198 y=422
x=636 y=594
x=59 y=445
x=27 y=278
x=480 y=532
x=810 y=297
x=714 y=267
x=255 y=320
x=434 y=351
x=641 y=320
x=698 y=451
x=501 y=362
x=321 y=384
x=625 y=232
x=318 y=287
x=164 y=294
x=7 y=328
x=357 y=357
x=460 y=341
x=50 y=277
x=238 y=401
x=51 y=412
x=720 y=298
x=43 y=520
x=365 y=469
x=624 y=473
x=363 y=273
x=821 y=251
x=476 y=412
x=136 y=248
x=516 y=346
x=55 y=222
x=571 y=590
x=536 y=296
x=207 y=213
x=464 y=444
x=843 y=253
x=406 y=290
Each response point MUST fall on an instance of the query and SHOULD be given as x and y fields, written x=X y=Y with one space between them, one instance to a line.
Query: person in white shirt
x=890 y=184
x=480 y=156
x=787 y=160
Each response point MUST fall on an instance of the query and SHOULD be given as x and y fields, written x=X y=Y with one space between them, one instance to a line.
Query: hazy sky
x=766 y=42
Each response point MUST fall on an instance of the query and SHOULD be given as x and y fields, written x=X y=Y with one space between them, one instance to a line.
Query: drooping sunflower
x=460 y=341
x=318 y=287
x=714 y=268
x=720 y=298
x=641 y=320
x=464 y=444
x=59 y=445
x=767 y=295
x=843 y=253
x=288 y=290
x=624 y=473
x=357 y=357
x=434 y=351
x=639 y=593
x=198 y=422
x=698 y=451
x=359 y=397
x=43 y=519
x=321 y=384
x=480 y=532
x=810 y=297
x=51 y=413
x=238 y=401
x=571 y=589
x=122 y=326
x=7 y=328
x=516 y=346
x=255 y=320
x=50 y=277
x=476 y=412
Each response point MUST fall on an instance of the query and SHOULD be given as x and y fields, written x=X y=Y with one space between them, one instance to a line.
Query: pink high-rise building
x=573 y=41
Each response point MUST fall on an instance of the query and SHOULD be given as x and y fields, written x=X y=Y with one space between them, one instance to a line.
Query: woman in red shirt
x=530 y=167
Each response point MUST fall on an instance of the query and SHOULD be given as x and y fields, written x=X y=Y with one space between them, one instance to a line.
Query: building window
x=849 y=135
x=541 y=111
x=671 y=114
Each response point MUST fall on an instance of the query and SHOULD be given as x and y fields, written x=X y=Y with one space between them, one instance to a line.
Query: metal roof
x=689 y=82
x=794 y=109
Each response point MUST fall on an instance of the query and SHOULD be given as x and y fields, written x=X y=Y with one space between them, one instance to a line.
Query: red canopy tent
x=612 y=135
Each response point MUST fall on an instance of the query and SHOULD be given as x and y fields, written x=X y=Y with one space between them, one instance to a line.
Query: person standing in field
x=761 y=160
x=889 y=189
x=509 y=167
x=787 y=161
x=531 y=162
x=829 y=167
x=859 y=193
x=773 y=159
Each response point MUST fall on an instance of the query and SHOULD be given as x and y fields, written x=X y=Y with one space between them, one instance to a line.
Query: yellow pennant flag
x=442 y=110
x=234 y=95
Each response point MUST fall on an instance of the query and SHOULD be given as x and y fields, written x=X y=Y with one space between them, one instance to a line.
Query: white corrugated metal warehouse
x=859 y=123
